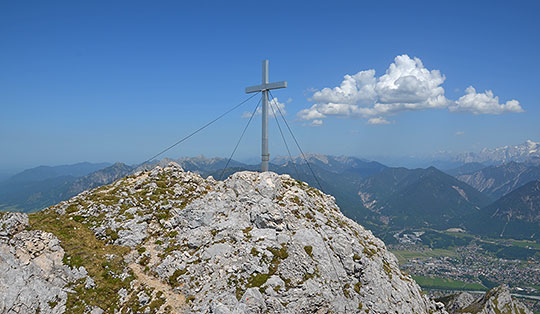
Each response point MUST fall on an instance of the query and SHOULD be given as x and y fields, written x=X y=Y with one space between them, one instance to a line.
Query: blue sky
x=119 y=81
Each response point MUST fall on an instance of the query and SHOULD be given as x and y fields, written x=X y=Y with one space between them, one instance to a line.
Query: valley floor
x=477 y=266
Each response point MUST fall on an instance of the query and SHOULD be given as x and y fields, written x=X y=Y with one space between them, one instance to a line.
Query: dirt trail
x=173 y=299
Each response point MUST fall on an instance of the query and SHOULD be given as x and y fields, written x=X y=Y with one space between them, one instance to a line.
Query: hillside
x=26 y=192
x=466 y=168
x=169 y=240
x=48 y=172
x=419 y=198
x=516 y=214
x=335 y=164
x=496 y=301
x=497 y=181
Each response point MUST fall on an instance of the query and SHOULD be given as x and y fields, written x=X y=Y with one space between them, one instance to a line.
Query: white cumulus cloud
x=274 y=103
x=484 y=103
x=313 y=123
x=407 y=85
x=316 y=122
x=378 y=120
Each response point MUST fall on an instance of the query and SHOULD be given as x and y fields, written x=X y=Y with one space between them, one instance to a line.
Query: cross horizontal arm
x=263 y=87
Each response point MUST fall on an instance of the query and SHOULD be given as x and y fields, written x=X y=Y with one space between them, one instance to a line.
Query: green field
x=525 y=243
x=446 y=284
x=404 y=256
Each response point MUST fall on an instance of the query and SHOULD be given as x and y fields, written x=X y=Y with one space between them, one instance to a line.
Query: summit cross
x=264 y=88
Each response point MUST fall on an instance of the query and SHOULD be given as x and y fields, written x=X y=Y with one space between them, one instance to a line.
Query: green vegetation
x=257 y=280
x=524 y=244
x=443 y=240
x=173 y=279
x=387 y=269
x=487 y=283
x=442 y=244
x=309 y=250
x=404 y=256
x=369 y=251
x=104 y=262
x=357 y=287
x=446 y=284
x=510 y=252
x=346 y=290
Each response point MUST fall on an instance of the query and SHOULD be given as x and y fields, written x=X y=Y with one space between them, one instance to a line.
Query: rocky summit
x=169 y=241
x=496 y=301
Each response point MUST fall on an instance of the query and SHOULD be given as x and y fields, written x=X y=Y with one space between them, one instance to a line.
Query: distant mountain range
x=380 y=197
x=499 y=180
x=515 y=215
x=43 y=186
x=46 y=172
x=522 y=152
x=336 y=164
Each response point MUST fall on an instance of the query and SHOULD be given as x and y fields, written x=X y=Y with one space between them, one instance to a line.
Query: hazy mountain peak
x=522 y=152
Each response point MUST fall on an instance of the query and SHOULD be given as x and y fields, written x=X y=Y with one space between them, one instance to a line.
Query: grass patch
x=309 y=250
x=404 y=256
x=173 y=279
x=438 y=283
x=257 y=280
x=82 y=248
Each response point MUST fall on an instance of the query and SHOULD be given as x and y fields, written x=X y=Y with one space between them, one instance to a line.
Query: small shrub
x=173 y=279
x=357 y=287
x=309 y=250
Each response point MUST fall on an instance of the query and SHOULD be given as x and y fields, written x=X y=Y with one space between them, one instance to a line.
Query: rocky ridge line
x=496 y=301
x=254 y=243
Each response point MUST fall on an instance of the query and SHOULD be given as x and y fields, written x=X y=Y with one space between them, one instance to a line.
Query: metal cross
x=264 y=88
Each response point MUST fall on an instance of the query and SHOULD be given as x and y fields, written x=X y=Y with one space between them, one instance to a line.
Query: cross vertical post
x=264 y=88
x=264 y=142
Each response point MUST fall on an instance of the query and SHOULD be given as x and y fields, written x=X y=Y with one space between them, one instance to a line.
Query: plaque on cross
x=264 y=88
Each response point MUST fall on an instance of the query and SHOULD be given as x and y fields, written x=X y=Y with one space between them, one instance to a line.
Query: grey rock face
x=260 y=243
x=495 y=301
x=32 y=274
x=455 y=303
x=11 y=223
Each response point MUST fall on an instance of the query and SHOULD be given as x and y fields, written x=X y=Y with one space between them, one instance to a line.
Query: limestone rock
x=495 y=301
x=32 y=274
x=458 y=301
x=169 y=240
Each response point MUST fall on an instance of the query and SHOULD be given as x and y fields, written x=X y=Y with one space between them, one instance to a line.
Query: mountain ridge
x=499 y=180
x=516 y=214
x=419 y=197
x=167 y=239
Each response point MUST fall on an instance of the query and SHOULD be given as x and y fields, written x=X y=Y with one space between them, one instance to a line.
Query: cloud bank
x=406 y=86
